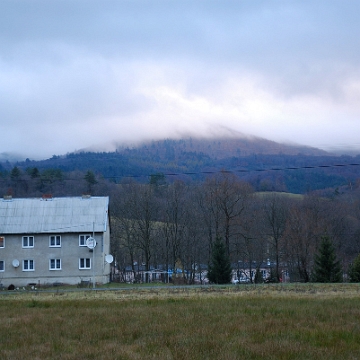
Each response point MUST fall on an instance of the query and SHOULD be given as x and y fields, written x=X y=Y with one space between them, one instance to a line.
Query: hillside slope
x=267 y=165
x=223 y=147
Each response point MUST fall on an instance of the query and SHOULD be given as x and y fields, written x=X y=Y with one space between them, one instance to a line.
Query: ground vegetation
x=251 y=322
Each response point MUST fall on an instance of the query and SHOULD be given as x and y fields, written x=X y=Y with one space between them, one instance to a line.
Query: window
x=84 y=263
x=55 y=264
x=55 y=241
x=28 y=242
x=2 y=265
x=28 y=265
x=82 y=239
x=2 y=241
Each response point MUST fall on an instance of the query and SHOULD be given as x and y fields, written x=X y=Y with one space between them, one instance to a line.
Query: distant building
x=44 y=240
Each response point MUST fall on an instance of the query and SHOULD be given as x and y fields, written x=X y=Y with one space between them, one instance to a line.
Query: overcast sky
x=81 y=73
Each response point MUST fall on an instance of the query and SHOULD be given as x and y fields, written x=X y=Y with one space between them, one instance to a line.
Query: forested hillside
x=266 y=165
x=169 y=204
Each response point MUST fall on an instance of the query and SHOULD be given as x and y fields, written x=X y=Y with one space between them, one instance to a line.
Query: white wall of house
x=55 y=257
x=44 y=263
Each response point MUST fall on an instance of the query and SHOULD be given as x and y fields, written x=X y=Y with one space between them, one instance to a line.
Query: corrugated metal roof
x=54 y=215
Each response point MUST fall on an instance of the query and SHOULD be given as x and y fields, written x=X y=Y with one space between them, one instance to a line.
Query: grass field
x=235 y=322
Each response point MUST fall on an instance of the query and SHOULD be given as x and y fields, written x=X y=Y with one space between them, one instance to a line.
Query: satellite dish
x=15 y=263
x=90 y=243
x=109 y=258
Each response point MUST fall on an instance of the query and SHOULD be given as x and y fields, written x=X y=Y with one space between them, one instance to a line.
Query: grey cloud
x=186 y=25
x=264 y=36
x=65 y=61
x=61 y=97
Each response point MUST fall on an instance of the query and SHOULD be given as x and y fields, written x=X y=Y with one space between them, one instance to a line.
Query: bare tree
x=143 y=210
x=174 y=217
x=275 y=212
x=229 y=197
x=136 y=212
x=305 y=226
x=250 y=247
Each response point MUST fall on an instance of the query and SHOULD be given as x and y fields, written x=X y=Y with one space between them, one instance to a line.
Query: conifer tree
x=258 y=277
x=354 y=270
x=15 y=174
x=326 y=268
x=90 y=180
x=220 y=266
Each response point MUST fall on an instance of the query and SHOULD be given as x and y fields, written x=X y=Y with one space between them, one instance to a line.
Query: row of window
x=54 y=241
x=54 y=264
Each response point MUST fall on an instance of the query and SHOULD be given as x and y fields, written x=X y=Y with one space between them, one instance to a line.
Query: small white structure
x=44 y=240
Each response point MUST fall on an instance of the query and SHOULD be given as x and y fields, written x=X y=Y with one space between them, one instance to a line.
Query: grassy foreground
x=237 y=322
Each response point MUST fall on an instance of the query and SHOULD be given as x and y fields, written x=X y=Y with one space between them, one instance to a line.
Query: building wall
x=69 y=253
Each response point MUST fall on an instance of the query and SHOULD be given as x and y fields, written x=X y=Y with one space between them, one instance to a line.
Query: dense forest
x=266 y=165
x=168 y=207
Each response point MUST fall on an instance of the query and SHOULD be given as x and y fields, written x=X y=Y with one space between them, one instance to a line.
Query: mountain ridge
x=265 y=164
x=224 y=147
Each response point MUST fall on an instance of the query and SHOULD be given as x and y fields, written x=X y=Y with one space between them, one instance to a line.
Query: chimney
x=47 y=196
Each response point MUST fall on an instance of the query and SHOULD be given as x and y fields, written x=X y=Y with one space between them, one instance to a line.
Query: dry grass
x=238 y=322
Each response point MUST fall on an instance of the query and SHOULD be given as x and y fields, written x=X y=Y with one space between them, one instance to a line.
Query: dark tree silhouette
x=326 y=268
x=15 y=174
x=219 y=267
x=354 y=270
x=90 y=180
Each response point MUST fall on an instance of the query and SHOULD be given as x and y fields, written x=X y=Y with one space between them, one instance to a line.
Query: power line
x=307 y=167
x=211 y=172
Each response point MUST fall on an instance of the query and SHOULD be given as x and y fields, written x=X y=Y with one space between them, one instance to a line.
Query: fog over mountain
x=227 y=143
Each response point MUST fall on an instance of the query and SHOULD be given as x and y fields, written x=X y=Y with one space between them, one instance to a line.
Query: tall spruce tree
x=326 y=268
x=90 y=180
x=220 y=266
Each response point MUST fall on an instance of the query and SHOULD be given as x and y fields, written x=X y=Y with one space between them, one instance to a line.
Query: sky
x=79 y=74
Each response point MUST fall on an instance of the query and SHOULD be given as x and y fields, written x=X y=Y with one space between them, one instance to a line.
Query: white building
x=43 y=240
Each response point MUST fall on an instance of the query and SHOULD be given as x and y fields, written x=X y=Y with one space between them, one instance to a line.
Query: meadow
x=292 y=321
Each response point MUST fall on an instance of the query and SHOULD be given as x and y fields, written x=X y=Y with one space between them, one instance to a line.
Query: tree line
x=194 y=160
x=167 y=225
x=34 y=182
